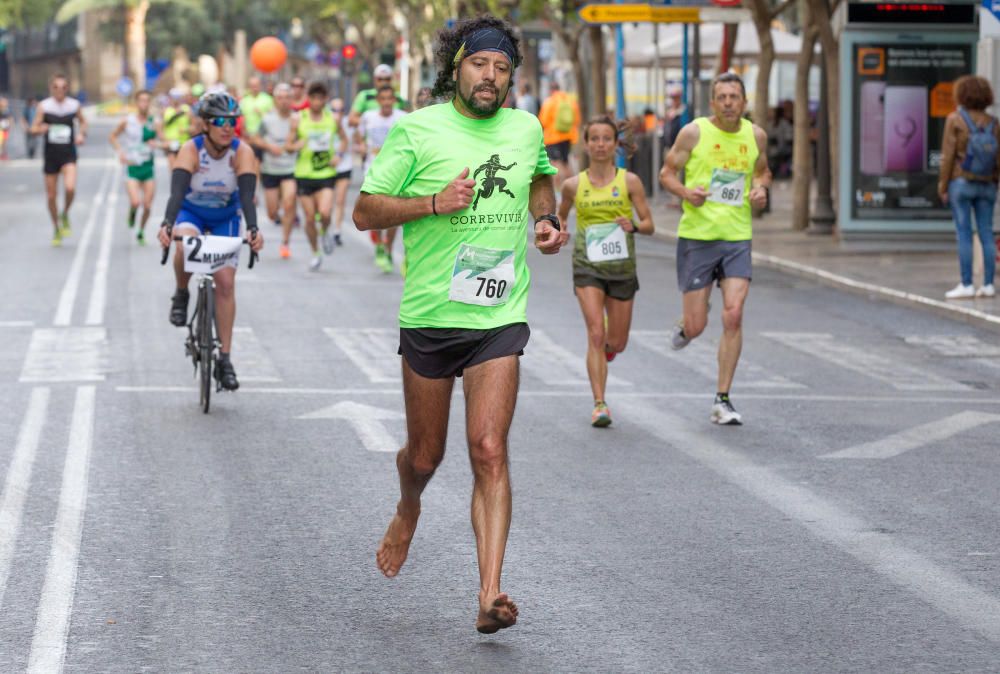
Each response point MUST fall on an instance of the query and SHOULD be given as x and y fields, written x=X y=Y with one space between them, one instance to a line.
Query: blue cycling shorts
x=227 y=227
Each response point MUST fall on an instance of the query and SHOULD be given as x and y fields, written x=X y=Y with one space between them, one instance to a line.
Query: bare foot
x=396 y=543
x=497 y=614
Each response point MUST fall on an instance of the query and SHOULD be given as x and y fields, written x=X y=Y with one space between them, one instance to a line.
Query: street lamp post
x=823 y=215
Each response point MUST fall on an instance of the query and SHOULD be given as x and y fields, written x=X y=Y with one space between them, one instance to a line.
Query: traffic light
x=348 y=51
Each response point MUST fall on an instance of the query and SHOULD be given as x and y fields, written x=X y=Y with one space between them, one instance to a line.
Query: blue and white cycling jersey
x=213 y=200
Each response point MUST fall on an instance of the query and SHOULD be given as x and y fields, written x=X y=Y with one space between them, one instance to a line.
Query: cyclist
x=278 y=165
x=374 y=128
x=312 y=136
x=604 y=274
x=57 y=118
x=213 y=180
x=141 y=135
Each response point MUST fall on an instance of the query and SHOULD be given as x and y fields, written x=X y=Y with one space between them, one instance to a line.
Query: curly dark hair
x=623 y=129
x=449 y=41
x=973 y=93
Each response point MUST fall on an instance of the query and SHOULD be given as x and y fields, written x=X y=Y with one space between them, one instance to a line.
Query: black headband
x=488 y=39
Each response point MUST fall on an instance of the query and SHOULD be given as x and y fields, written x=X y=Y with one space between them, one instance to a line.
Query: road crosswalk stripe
x=372 y=350
x=255 y=365
x=65 y=355
x=48 y=645
x=545 y=359
x=701 y=357
x=866 y=360
x=955 y=345
x=19 y=479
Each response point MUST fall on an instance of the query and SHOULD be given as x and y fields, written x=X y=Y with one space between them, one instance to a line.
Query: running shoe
x=380 y=258
x=986 y=291
x=678 y=340
x=724 y=414
x=179 y=308
x=316 y=262
x=960 y=292
x=601 y=416
x=328 y=242
x=56 y=239
x=337 y=240
x=64 y=228
x=284 y=251
x=140 y=237
x=225 y=373
x=387 y=265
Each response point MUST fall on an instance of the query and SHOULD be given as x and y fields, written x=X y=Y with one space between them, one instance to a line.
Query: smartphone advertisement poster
x=902 y=95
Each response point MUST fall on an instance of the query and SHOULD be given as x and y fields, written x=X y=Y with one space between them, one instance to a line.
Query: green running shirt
x=722 y=163
x=447 y=255
x=321 y=143
x=366 y=100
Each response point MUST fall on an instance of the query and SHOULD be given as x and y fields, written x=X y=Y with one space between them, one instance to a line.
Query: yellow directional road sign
x=637 y=13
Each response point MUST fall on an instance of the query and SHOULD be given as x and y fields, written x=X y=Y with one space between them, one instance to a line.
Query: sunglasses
x=298 y=85
x=223 y=122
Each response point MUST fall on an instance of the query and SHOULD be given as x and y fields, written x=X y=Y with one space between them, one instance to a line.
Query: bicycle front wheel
x=206 y=343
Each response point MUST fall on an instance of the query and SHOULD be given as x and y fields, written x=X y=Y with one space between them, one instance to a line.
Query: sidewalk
x=914 y=278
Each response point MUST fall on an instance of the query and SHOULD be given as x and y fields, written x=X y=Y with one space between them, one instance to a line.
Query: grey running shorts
x=699 y=263
x=439 y=353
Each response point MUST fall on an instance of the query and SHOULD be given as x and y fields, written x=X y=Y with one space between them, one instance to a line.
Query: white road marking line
x=701 y=356
x=955 y=345
x=65 y=354
x=372 y=350
x=820 y=398
x=941 y=587
x=916 y=437
x=367 y=421
x=865 y=360
x=64 y=310
x=255 y=364
x=17 y=324
x=99 y=290
x=15 y=489
x=546 y=359
x=48 y=645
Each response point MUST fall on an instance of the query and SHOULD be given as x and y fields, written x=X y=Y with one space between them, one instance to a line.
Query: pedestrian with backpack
x=560 y=118
x=970 y=169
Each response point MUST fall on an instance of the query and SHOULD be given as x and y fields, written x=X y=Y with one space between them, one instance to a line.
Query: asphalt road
x=849 y=525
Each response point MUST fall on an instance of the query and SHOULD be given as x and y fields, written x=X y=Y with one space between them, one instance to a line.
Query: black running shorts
x=440 y=353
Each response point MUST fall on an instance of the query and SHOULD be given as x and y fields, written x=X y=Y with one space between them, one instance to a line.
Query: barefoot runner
x=465 y=295
x=604 y=274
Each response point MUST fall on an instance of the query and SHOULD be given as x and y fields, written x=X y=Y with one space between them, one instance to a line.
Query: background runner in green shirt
x=466 y=179
x=367 y=98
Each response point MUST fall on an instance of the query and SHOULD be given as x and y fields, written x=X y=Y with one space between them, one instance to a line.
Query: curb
x=870 y=290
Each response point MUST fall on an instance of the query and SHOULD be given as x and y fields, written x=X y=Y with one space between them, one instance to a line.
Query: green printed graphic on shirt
x=465 y=269
x=321 y=144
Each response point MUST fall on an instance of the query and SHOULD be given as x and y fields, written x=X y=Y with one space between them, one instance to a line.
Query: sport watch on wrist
x=551 y=217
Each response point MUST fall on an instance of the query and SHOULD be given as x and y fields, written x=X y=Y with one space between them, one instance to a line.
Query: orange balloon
x=268 y=54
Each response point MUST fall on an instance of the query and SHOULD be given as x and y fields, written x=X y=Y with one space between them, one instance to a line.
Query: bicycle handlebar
x=166 y=251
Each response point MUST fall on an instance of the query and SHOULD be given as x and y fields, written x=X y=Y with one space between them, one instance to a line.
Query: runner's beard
x=478 y=109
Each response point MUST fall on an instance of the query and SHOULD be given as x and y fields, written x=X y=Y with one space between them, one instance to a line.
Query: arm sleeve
x=180 y=182
x=247 y=184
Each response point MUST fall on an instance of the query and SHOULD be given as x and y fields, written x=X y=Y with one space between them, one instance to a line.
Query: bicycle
x=204 y=255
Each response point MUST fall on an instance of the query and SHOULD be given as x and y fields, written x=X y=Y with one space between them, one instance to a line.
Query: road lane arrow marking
x=367 y=421
x=913 y=438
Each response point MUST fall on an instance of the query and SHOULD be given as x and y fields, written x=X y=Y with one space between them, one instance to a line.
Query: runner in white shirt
x=374 y=128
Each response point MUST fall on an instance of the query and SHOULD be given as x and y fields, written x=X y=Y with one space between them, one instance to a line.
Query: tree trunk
x=135 y=43
x=762 y=22
x=801 y=147
x=726 y=49
x=820 y=12
x=598 y=71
